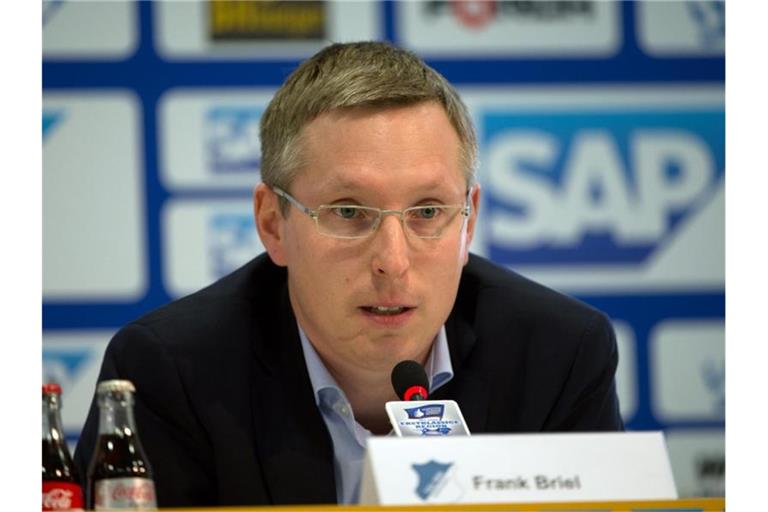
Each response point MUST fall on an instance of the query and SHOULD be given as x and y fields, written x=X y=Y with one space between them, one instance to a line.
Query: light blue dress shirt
x=347 y=434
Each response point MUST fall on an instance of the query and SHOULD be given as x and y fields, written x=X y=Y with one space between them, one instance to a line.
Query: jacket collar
x=292 y=441
x=470 y=387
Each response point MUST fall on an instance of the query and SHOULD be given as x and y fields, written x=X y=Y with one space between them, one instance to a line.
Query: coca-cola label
x=134 y=493
x=62 y=496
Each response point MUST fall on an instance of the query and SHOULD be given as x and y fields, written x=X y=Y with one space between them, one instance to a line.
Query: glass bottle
x=119 y=475
x=61 y=482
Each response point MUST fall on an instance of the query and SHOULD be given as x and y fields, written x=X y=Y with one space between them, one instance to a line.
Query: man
x=262 y=388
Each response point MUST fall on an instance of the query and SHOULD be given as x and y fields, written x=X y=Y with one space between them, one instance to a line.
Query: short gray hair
x=348 y=75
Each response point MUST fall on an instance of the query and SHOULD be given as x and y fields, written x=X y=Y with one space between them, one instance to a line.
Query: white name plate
x=511 y=468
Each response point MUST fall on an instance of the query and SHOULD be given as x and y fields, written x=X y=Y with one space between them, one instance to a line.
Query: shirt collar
x=438 y=368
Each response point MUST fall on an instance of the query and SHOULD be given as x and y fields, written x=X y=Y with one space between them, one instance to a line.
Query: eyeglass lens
x=358 y=221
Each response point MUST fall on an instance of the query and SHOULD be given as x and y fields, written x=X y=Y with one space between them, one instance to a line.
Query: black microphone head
x=407 y=375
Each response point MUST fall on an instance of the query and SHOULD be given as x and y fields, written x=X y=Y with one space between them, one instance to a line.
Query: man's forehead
x=365 y=110
x=447 y=186
x=351 y=182
x=335 y=164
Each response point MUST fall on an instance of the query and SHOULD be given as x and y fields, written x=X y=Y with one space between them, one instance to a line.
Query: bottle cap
x=107 y=386
x=52 y=388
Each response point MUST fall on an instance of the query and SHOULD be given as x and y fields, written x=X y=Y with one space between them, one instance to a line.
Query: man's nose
x=391 y=250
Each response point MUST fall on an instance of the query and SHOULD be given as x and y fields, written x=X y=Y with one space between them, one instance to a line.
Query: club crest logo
x=436 y=482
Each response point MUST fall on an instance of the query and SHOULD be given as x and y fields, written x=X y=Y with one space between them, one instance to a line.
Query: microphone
x=410 y=381
x=414 y=415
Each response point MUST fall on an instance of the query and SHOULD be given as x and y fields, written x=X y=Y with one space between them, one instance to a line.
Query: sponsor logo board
x=688 y=370
x=604 y=189
x=238 y=20
x=93 y=200
x=69 y=31
x=689 y=28
x=190 y=30
x=515 y=28
x=205 y=240
x=210 y=140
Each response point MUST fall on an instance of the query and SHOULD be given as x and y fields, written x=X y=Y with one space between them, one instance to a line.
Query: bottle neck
x=116 y=414
x=52 y=430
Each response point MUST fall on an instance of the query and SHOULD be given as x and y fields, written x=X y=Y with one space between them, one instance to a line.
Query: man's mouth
x=386 y=310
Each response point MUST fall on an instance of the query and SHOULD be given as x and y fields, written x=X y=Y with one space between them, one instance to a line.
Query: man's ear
x=474 y=199
x=269 y=222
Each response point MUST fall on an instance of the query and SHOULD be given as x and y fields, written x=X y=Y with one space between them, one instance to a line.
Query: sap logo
x=232 y=241
x=63 y=366
x=595 y=187
x=709 y=18
x=50 y=8
x=50 y=120
x=232 y=139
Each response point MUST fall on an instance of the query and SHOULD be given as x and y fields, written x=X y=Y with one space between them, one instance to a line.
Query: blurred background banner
x=602 y=148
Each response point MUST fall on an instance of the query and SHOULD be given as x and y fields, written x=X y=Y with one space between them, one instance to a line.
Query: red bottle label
x=133 y=493
x=62 y=496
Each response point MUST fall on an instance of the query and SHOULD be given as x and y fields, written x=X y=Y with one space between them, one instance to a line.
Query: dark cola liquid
x=116 y=457
x=57 y=463
x=61 y=486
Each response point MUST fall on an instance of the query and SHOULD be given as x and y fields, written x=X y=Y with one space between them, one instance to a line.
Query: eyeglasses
x=354 y=221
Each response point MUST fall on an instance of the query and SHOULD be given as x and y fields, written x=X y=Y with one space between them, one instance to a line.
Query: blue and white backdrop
x=602 y=132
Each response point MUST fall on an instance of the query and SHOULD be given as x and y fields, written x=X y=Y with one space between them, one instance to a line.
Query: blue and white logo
x=426 y=411
x=50 y=7
x=596 y=187
x=713 y=375
x=232 y=139
x=51 y=119
x=432 y=477
x=63 y=366
x=232 y=241
x=709 y=19
x=428 y=420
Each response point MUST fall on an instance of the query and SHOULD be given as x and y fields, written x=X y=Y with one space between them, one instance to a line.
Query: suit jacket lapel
x=292 y=441
x=469 y=387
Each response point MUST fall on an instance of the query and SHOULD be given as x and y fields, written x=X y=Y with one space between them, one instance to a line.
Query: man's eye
x=428 y=212
x=346 y=212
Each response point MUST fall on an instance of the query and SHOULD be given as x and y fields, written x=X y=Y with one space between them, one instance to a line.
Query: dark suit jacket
x=226 y=412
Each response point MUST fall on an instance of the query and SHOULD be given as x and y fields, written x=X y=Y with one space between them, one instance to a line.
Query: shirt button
x=344 y=410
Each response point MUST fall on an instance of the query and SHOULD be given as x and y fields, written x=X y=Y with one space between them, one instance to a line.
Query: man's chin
x=391 y=350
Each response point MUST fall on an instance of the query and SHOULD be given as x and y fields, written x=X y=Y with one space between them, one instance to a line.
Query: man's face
x=369 y=303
